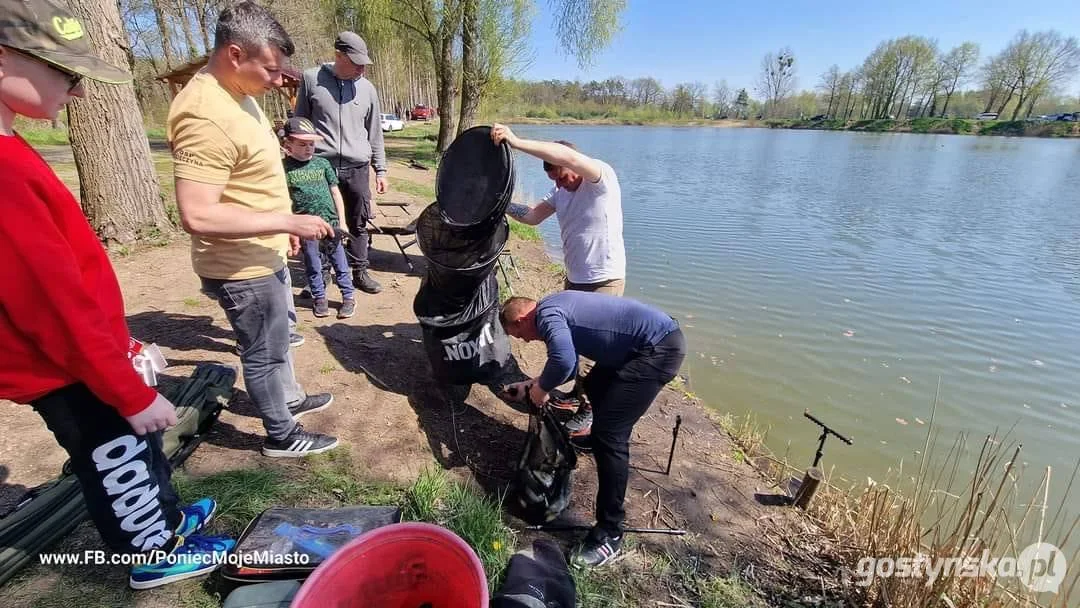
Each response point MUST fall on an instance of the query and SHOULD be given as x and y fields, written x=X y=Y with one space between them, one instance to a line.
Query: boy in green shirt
x=313 y=188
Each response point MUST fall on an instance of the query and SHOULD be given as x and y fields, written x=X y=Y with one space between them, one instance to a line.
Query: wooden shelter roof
x=178 y=77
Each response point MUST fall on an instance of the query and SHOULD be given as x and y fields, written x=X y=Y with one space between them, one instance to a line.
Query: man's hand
x=380 y=184
x=294 y=244
x=501 y=133
x=310 y=227
x=537 y=395
x=158 y=416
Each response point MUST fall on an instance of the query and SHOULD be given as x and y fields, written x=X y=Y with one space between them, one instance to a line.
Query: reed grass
x=959 y=499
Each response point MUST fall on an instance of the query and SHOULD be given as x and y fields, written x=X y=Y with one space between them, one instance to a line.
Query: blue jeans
x=258 y=310
x=313 y=265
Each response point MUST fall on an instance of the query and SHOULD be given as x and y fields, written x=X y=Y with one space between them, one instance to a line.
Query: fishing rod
x=672 y=531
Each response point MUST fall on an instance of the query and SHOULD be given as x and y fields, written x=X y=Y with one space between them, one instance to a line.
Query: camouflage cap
x=47 y=30
x=301 y=128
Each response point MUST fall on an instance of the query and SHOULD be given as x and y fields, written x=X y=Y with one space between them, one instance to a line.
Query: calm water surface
x=846 y=273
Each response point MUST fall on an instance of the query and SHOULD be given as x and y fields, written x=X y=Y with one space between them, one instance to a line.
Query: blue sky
x=687 y=40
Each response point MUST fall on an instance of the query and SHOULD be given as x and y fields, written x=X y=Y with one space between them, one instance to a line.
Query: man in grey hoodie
x=344 y=108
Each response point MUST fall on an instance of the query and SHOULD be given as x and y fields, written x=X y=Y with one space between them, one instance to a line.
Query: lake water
x=846 y=273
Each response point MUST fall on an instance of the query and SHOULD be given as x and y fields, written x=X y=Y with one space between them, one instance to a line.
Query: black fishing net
x=465 y=251
x=475 y=179
x=462 y=235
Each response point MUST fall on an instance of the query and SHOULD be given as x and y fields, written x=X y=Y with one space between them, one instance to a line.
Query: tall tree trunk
x=1008 y=98
x=163 y=30
x=119 y=189
x=1031 y=105
x=994 y=92
x=444 y=69
x=204 y=31
x=185 y=26
x=470 y=70
x=1019 y=105
x=945 y=108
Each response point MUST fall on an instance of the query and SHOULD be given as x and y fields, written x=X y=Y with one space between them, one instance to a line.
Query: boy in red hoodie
x=63 y=335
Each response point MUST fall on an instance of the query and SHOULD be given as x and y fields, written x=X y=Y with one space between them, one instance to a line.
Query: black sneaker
x=583 y=444
x=564 y=401
x=363 y=281
x=313 y=403
x=321 y=307
x=580 y=425
x=298 y=444
x=595 y=553
x=348 y=309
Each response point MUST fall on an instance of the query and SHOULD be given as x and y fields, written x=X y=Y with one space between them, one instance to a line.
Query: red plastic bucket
x=410 y=565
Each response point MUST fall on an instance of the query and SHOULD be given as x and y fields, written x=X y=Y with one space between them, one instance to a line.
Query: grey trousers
x=258 y=310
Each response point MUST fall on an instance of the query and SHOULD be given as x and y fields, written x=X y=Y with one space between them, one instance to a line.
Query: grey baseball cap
x=354 y=48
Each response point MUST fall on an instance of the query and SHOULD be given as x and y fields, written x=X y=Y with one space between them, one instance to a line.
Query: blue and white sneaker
x=193 y=556
x=195 y=516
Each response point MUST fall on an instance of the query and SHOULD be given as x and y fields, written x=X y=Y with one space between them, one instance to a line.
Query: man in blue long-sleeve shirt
x=637 y=349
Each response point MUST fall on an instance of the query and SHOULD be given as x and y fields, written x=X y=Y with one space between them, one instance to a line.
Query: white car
x=390 y=122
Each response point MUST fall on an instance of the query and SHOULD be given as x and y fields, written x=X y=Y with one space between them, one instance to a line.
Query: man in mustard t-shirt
x=233 y=200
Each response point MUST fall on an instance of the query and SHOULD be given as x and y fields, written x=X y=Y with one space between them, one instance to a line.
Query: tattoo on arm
x=517 y=210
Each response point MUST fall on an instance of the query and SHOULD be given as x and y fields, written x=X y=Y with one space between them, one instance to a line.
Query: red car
x=421 y=112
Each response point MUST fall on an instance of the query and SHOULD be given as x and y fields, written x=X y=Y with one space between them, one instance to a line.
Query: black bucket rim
x=499 y=201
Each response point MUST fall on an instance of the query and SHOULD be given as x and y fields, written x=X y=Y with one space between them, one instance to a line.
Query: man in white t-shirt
x=587 y=201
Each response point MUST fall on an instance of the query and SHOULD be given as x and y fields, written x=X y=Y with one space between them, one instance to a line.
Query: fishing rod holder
x=825 y=432
x=813 y=476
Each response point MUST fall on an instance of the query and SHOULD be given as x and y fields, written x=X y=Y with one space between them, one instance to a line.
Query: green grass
x=476 y=518
x=332 y=481
x=524 y=232
x=504 y=290
x=556 y=269
x=241 y=494
x=727 y=592
x=416 y=130
x=419 y=144
x=408 y=186
x=44 y=137
x=423 y=153
x=960 y=126
x=1030 y=129
x=600 y=589
x=173 y=213
x=876 y=125
x=930 y=125
x=193 y=302
x=597 y=112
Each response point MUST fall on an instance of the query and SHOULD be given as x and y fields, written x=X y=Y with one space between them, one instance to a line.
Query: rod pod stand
x=813 y=476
